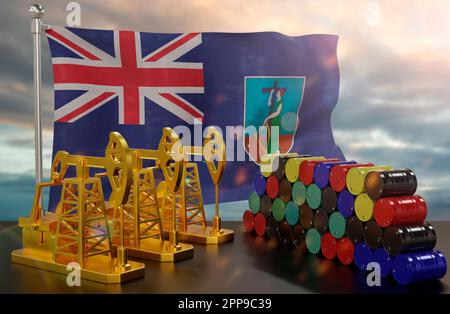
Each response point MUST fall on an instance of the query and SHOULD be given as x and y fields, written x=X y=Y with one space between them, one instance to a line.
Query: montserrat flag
x=137 y=83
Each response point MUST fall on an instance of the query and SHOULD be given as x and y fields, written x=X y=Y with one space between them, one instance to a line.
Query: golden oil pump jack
x=139 y=223
x=190 y=217
x=78 y=231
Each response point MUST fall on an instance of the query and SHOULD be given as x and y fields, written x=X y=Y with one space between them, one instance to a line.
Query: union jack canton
x=130 y=74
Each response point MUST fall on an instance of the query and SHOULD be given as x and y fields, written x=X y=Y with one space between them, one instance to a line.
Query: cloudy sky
x=394 y=59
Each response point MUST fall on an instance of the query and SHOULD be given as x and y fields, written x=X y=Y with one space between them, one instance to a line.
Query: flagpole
x=37 y=12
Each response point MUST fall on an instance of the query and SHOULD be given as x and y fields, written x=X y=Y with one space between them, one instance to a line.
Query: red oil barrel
x=329 y=245
x=272 y=187
x=249 y=221
x=260 y=224
x=391 y=183
x=306 y=170
x=293 y=164
x=345 y=251
x=322 y=171
x=338 y=175
x=400 y=210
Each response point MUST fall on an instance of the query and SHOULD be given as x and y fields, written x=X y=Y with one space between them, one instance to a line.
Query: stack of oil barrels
x=357 y=213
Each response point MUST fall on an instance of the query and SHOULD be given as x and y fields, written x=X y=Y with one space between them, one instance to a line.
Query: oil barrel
x=259 y=183
x=398 y=240
x=279 y=172
x=382 y=257
x=265 y=206
x=260 y=224
x=285 y=190
x=248 y=220
x=271 y=228
x=272 y=187
x=306 y=170
x=321 y=220
x=336 y=224
x=373 y=234
x=363 y=255
x=419 y=266
x=298 y=236
x=356 y=178
x=285 y=232
x=313 y=239
x=400 y=210
x=299 y=193
x=293 y=165
x=313 y=196
x=329 y=199
x=278 y=209
x=292 y=213
x=364 y=207
x=338 y=175
x=328 y=245
x=345 y=251
x=270 y=165
x=306 y=216
x=254 y=202
x=354 y=229
x=322 y=171
x=346 y=203
x=391 y=183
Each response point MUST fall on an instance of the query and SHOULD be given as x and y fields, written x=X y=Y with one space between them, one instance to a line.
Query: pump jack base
x=98 y=268
x=155 y=250
x=198 y=234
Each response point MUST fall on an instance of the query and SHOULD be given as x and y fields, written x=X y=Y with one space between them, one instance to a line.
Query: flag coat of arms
x=137 y=83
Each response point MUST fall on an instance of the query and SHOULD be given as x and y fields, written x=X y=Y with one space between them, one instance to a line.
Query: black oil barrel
x=329 y=199
x=354 y=229
x=265 y=205
x=271 y=228
x=391 y=183
x=285 y=232
x=398 y=240
x=298 y=236
x=321 y=220
x=285 y=190
x=306 y=216
x=373 y=234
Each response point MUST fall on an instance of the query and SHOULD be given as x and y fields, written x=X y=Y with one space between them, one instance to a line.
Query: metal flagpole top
x=36 y=11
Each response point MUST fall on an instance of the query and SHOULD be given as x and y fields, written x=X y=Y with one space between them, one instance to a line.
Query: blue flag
x=137 y=83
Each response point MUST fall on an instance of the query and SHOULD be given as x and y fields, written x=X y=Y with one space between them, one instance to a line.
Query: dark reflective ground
x=250 y=264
